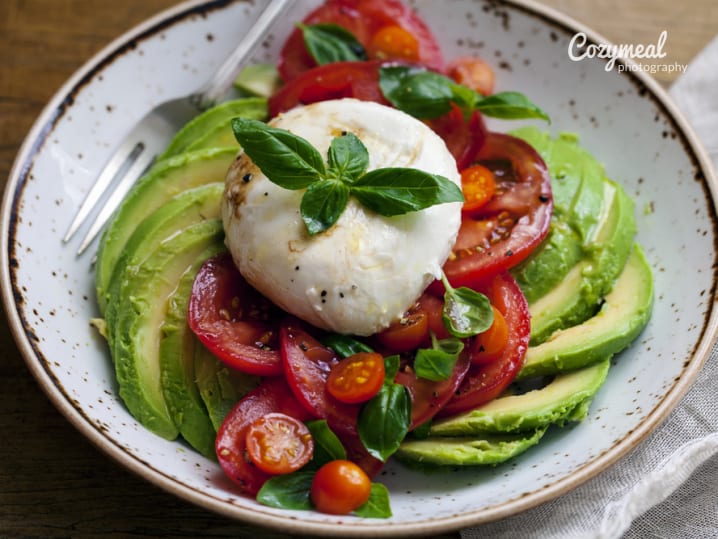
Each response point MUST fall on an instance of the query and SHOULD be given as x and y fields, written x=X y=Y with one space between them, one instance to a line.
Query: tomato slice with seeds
x=307 y=364
x=233 y=320
x=486 y=382
x=331 y=81
x=506 y=230
x=356 y=378
x=478 y=186
x=407 y=333
x=364 y=19
x=272 y=395
x=279 y=444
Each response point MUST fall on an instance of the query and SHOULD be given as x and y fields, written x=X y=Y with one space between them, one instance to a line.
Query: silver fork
x=151 y=135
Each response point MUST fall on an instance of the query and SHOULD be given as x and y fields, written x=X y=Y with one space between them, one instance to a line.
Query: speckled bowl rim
x=54 y=110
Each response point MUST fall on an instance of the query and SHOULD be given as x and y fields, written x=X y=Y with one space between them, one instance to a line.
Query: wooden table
x=53 y=483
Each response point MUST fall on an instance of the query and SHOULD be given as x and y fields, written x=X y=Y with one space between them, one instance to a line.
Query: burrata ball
x=365 y=271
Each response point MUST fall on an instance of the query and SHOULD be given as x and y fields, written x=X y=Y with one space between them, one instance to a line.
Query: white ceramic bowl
x=626 y=120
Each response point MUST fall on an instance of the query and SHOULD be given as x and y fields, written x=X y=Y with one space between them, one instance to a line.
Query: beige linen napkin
x=668 y=486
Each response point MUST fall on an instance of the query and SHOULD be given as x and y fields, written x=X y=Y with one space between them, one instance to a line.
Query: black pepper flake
x=508 y=253
x=543 y=198
x=341 y=294
x=296 y=268
x=303 y=346
x=247 y=177
x=324 y=293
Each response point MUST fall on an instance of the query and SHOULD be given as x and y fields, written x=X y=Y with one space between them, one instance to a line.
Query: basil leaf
x=327 y=446
x=384 y=420
x=420 y=93
x=437 y=363
x=344 y=345
x=377 y=506
x=348 y=157
x=395 y=191
x=466 y=312
x=510 y=106
x=290 y=491
x=329 y=43
x=286 y=159
x=322 y=204
x=425 y=94
x=391 y=367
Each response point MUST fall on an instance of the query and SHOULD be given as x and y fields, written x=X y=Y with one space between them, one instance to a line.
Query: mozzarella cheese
x=365 y=271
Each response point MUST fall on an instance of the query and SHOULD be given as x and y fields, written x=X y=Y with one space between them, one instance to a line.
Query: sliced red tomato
x=486 y=382
x=364 y=19
x=428 y=397
x=331 y=81
x=307 y=364
x=463 y=136
x=506 y=229
x=273 y=395
x=489 y=345
x=279 y=444
x=233 y=320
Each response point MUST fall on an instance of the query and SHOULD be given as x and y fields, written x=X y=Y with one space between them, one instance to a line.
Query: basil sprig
x=425 y=94
x=437 y=363
x=385 y=419
x=327 y=43
x=466 y=312
x=293 y=163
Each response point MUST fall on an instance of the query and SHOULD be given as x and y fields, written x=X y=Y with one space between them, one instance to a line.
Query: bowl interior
x=621 y=118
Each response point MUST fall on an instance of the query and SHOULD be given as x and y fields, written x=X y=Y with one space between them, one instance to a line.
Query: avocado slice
x=176 y=358
x=623 y=315
x=260 y=80
x=140 y=315
x=219 y=386
x=577 y=296
x=565 y=398
x=578 y=195
x=479 y=449
x=153 y=190
x=212 y=128
x=182 y=210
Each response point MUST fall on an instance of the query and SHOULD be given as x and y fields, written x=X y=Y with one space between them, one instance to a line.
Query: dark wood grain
x=53 y=483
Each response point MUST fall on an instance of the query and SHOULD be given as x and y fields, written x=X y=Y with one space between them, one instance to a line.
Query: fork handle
x=214 y=89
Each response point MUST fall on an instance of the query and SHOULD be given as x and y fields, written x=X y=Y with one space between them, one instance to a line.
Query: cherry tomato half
x=473 y=73
x=356 y=378
x=489 y=345
x=339 y=487
x=485 y=382
x=233 y=320
x=478 y=186
x=364 y=19
x=407 y=333
x=272 y=395
x=279 y=444
x=506 y=229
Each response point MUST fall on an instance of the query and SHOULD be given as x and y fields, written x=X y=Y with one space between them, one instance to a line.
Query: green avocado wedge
x=153 y=191
x=480 y=449
x=576 y=298
x=140 y=317
x=213 y=129
x=564 y=399
x=176 y=358
x=219 y=386
x=186 y=208
x=623 y=315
